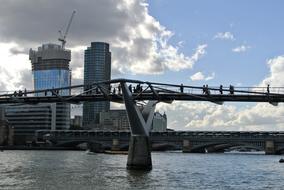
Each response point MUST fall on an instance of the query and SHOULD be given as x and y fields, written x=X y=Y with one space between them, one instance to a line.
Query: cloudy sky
x=190 y=42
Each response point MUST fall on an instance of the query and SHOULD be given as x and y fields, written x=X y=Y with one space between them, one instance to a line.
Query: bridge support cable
x=155 y=93
x=105 y=91
x=140 y=119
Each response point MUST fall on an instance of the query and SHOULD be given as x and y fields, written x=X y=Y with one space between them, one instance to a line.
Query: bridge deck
x=145 y=96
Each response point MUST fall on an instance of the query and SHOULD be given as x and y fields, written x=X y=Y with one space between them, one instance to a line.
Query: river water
x=171 y=170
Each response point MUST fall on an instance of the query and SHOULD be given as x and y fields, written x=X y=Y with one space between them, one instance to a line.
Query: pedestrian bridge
x=144 y=90
x=188 y=141
x=134 y=93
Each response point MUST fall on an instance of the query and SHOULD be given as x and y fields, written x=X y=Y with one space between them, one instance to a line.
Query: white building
x=118 y=120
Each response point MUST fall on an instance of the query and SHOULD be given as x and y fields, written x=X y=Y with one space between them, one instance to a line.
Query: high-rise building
x=50 y=67
x=97 y=67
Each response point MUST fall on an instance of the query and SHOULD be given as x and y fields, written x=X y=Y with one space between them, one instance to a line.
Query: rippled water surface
x=171 y=170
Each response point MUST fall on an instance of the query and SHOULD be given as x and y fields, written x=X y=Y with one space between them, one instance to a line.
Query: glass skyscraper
x=97 y=67
x=50 y=66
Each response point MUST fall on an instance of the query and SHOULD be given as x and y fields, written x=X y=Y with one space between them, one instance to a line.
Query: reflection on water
x=171 y=170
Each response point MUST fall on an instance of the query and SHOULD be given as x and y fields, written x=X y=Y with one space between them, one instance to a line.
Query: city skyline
x=235 y=50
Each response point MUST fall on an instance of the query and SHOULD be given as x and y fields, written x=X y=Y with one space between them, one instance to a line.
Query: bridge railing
x=113 y=87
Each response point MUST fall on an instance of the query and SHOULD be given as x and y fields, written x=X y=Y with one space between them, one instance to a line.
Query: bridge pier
x=140 y=119
x=139 y=153
x=186 y=146
x=270 y=147
x=115 y=145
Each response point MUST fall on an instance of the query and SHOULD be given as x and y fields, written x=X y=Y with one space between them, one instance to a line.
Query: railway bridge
x=187 y=141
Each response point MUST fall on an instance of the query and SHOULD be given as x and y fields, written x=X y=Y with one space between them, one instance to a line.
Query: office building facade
x=50 y=67
x=117 y=120
x=26 y=119
x=97 y=67
x=6 y=130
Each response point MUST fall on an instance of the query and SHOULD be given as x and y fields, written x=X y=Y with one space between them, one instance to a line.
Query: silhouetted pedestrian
x=231 y=89
x=130 y=88
x=221 y=89
x=203 y=89
x=207 y=91
x=268 y=90
x=119 y=88
x=181 y=88
x=20 y=93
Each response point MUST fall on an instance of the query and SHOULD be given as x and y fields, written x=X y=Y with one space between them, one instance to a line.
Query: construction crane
x=62 y=37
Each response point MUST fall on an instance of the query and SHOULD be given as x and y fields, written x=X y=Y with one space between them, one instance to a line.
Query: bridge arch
x=75 y=143
x=165 y=146
x=222 y=146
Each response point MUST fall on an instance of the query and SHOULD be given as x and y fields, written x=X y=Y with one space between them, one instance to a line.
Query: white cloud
x=242 y=48
x=139 y=43
x=224 y=36
x=200 y=76
x=210 y=77
x=276 y=73
x=209 y=116
x=197 y=76
x=13 y=68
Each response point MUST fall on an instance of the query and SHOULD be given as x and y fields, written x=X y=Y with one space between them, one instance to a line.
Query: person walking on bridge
x=268 y=90
x=221 y=89
x=181 y=88
x=119 y=88
x=130 y=88
x=207 y=91
x=231 y=89
x=203 y=89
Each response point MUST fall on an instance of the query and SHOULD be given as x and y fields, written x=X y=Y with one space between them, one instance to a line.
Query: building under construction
x=50 y=67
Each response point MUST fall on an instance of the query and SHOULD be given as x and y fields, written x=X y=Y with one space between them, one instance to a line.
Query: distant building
x=159 y=122
x=114 y=120
x=118 y=120
x=26 y=119
x=50 y=67
x=6 y=131
x=97 y=67
x=76 y=122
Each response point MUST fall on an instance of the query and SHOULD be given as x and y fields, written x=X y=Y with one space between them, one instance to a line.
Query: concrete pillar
x=115 y=145
x=139 y=153
x=186 y=146
x=269 y=147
